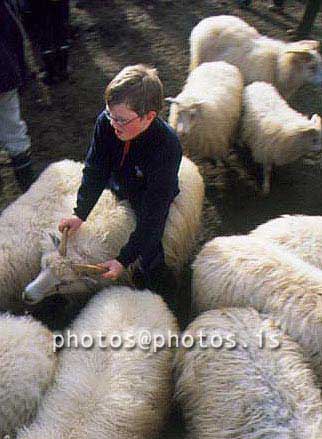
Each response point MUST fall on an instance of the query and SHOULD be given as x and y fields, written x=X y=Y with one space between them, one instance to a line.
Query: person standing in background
x=13 y=130
x=311 y=11
x=47 y=24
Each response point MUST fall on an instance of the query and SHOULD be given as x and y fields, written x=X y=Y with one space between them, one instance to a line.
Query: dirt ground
x=107 y=35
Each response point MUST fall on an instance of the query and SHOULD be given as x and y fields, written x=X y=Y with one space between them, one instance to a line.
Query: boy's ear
x=151 y=115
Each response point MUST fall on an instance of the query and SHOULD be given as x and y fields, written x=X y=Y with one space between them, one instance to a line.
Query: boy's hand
x=114 y=269
x=73 y=224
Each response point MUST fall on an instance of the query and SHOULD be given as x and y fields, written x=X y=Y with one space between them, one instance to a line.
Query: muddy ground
x=107 y=35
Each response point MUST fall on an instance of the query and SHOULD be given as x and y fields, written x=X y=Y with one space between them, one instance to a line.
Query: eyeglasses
x=119 y=120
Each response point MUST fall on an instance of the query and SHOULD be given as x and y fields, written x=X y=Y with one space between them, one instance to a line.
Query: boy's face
x=127 y=123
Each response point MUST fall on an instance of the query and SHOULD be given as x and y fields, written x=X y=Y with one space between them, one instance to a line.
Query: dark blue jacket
x=148 y=178
x=12 y=66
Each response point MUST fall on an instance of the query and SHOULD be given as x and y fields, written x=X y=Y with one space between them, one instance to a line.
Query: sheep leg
x=267 y=171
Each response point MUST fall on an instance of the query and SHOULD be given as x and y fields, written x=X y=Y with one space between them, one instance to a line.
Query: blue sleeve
x=162 y=184
x=95 y=174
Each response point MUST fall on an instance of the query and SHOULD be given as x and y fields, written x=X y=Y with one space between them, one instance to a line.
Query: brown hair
x=139 y=87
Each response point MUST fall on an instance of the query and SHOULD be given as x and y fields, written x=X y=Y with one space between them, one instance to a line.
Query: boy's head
x=139 y=87
x=133 y=99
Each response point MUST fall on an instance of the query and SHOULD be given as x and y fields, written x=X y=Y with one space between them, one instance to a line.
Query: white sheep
x=108 y=228
x=105 y=392
x=275 y=133
x=228 y=38
x=247 y=271
x=27 y=365
x=248 y=391
x=301 y=234
x=22 y=225
x=206 y=113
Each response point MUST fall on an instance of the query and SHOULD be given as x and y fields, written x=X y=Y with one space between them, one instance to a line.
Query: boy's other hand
x=114 y=269
x=73 y=224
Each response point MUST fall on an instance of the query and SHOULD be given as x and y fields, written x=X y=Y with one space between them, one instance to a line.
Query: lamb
x=23 y=223
x=206 y=113
x=228 y=38
x=301 y=234
x=28 y=365
x=247 y=271
x=246 y=392
x=107 y=392
x=102 y=236
x=275 y=133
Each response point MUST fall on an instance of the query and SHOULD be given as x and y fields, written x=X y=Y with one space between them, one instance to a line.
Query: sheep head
x=59 y=274
x=301 y=63
x=184 y=114
x=308 y=139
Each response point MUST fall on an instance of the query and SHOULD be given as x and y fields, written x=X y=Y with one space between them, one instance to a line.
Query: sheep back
x=247 y=271
x=301 y=234
x=228 y=38
x=111 y=222
x=116 y=393
x=23 y=224
x=252 y=390
x=211 y=98
x=224 y=33
x=28 y=364
x=275 y=133
x=53 y=196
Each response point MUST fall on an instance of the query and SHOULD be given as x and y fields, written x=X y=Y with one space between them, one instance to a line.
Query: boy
x=137 y=156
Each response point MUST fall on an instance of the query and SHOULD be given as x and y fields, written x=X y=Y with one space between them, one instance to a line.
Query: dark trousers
x=50 y=21
x=278 y=3
x=311 y=10
x=160 y=280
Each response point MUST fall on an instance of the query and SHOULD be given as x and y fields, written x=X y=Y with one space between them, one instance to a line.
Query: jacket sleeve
x=162 y=182
x=95 y=175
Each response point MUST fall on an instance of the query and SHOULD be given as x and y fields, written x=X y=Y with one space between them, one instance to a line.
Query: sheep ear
x=55 y=239
x=299 y=50
x=309 y=44
x=301 y=55
x=307 y=133
x=198 y=105
x=316 y=120
x=171 y=100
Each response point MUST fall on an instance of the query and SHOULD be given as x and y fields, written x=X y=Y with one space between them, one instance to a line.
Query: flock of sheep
x=266 y=284
x=215 y=110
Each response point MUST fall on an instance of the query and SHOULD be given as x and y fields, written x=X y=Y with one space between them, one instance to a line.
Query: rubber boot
x=22 y=168
x=244 y=4
x=277 y=6
x=62 y=62
x=49 y=58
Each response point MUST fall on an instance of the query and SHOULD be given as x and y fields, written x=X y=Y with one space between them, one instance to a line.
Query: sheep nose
x=26 y=298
